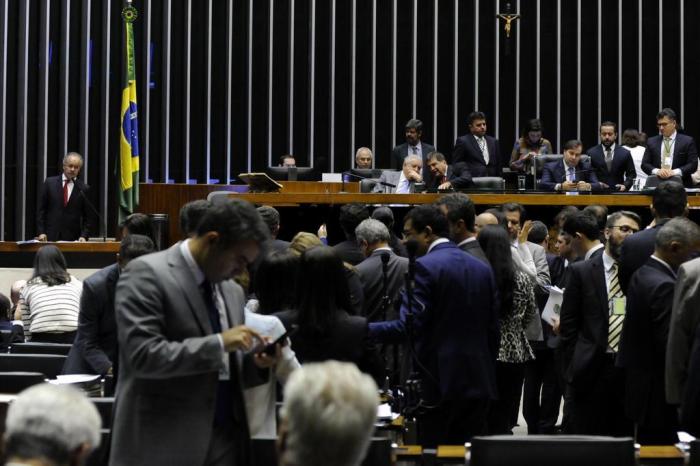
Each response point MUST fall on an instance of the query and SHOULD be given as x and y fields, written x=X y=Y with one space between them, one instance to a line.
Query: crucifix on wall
x=508 y=17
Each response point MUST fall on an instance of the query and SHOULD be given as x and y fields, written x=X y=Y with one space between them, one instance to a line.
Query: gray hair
x=330 y=409
x=72 y=154
x=411 y=157
x=60 y=418
x=363 y=149
x=678 y=229
x=372 y=231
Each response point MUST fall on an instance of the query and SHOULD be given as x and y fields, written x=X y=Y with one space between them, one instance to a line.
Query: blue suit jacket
x=685 y=156
x=621 y=171
x=456 y=334
x=554 y=173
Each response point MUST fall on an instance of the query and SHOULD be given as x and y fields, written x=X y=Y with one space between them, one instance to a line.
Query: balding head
x=484 y=219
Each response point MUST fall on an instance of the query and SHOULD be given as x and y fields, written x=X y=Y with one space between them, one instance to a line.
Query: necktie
x=608 y=158
x=415 y=150
x=65 y=193
x=614 y=320
x=212 y=311
x=572 y=174
x=666 y=162
x=482 y=146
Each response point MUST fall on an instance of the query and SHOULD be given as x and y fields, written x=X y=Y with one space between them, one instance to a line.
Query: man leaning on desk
x=569 y=174
x=63 y=213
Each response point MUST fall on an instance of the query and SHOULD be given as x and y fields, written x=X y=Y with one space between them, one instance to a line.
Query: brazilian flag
x=128 y=166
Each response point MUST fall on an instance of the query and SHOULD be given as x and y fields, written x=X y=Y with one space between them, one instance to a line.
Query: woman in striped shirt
x=50 y=301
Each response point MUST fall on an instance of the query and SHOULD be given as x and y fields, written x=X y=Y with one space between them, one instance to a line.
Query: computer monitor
x=293 y=173
x=367 y=172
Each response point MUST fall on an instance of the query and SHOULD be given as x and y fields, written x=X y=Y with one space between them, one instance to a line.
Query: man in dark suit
x=582 y=228
x=460 y=212
x=479 y=151
x=350 y=216
x=645 y=333
x=181 y=336
x=592 y=314
x=63 y=213
x=386 y=216
x=455 y=176
x=95 y=348
x=613 y=164
x=670 y=153
x=454 y=309
x=413 y=146
x=669 y=200
x=271 y=217
x=373 y=238
x=569 y=174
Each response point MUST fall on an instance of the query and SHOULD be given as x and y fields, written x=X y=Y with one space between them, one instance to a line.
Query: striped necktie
x=614 y=320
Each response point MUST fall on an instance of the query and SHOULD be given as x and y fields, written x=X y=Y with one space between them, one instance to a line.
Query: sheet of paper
x=550 y=314
x=75 y=378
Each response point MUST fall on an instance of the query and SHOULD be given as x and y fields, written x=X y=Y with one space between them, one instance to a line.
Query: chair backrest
x=491 y=183
x=653 y=181
x=544 y=159
x=104 y=406
x=379 y=452
x=694 y=459
x=50 y=365
x=544 y=450
x=217 y=195
x=15 y=382
x=40 y=348
x=366 y=186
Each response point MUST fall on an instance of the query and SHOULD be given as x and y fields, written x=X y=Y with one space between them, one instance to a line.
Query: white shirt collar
x=384 y=248
x=612 y=147
x=672 y=137
x=436 y=242
x=64 y=178
x=608 y=262
x=468 y=240
x=194 y=268
x=590 y=252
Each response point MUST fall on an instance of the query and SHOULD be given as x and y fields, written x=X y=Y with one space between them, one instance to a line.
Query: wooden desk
x=78 y=255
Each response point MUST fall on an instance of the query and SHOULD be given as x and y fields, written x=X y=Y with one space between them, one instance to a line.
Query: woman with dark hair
x=50 y=301
x=632 y=141
x=275 y=282
x=326 y=328
x=518 y=307
x=528 y=146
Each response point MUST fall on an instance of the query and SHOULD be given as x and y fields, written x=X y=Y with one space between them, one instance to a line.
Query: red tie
x=65 y=193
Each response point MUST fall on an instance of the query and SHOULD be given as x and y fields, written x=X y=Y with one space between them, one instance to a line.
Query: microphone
x=412 y=249
x=359 y=177
x=90 y=204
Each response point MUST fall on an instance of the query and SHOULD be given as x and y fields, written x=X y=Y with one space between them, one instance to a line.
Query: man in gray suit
x=180 y=330
x=403 y=182
x=460 y=213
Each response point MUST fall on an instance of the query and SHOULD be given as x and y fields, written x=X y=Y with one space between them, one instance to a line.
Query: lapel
x=491 y=146
x=598 y=276
x=182 y=275
x=561 y=172
x=476 y=147
x=234 y=306
x=676 y=163
x=449 y=173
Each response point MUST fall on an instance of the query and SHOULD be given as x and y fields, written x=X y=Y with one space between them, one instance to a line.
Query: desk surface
x=78 y=255
x=111 y=247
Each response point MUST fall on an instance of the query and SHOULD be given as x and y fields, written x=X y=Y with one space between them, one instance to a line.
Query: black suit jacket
x=621 y=171
x=636 y=250
x=473 y=248
x=61 y=223
x=400 y=152
x=344 y=340
x=458 y=175
x=349 y=251
x=372 y=277
x=554 y=173
x=685 y=156
x=95 y=348
x=467 y=150
x=643 y=345
x=690 y=407
x=584 y=323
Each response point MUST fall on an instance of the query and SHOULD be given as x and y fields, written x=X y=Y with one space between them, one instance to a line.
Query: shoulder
x=553 y=165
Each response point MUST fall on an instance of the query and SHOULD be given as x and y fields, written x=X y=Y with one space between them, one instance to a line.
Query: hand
x=621 y=187
x=414 y=176
x=265 y=361
x=240 y=338
x=568 y=186
x=42 y=237
x=524 y=231
x=583 y=186
x=555 y=326
x=530 y=156
x=445 y=185
x=604 y=185
x=322 y=231
x=81 y=240
x=665 y=173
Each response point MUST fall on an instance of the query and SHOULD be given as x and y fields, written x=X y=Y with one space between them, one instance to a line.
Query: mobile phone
x=270 y=348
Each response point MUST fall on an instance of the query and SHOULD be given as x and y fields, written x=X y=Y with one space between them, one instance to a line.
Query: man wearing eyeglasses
x=592 y=314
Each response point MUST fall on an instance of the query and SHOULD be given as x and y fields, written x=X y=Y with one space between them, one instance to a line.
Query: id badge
x=619 y=305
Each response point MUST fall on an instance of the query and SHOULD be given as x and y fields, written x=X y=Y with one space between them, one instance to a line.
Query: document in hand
x=550 y=314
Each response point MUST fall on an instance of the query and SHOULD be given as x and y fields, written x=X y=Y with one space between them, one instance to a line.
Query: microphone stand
x=94 y=210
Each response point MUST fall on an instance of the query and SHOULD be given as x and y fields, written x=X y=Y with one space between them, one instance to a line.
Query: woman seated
x=326 y=328
x=528 y=146
x=50 y=301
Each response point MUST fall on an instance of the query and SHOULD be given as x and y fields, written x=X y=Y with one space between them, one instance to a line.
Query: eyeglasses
x=626 y=228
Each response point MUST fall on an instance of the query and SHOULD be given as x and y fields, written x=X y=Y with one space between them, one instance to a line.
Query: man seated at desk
x=456 y=176
x=404 y=181
x=569 y=174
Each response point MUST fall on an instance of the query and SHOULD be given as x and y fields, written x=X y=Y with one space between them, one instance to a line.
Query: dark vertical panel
x=21 y=171
x=444 y=137
x=630 y=67
x=404 y=54
x=342 y=85
x=84 y=91
x=548 y=70
x=609 y=61
x=650 y=68
x=384 y=132
x=259 y=85
x=487 y=65
x=465 y=60
x=280 y=83
x=322 y=87
x=691 y=119
x=589 y=74
x=671 y=90
x=363 y=82
x=424 y=69
x=569 y=71
x=302 y=83
x=506 y=81
x=528 y=83
x=3 y=114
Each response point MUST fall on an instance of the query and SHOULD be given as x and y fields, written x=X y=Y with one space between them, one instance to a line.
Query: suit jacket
x=400 y=152
x=685 y=156
x=554 y=173
x=456 y=335
x=685 y=319
x=690 y=408
x=635 y=251
x=584 y=323
x=95 y=348
x=644 y=339
x=345 y=340
x=60 y=223
x=457 y=174
x=467 y=150
x=372 y=277
x=169 y=364
x=391 y=177
x=621 y=171
x=349 y=251
x=473 y=248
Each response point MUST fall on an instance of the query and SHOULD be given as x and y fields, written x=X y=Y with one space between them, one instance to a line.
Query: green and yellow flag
x=128 y=166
